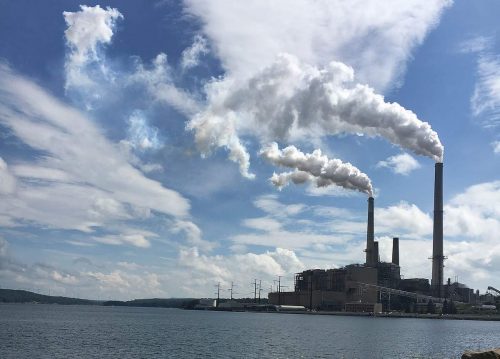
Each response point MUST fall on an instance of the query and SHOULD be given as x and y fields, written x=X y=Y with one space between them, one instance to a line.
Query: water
x=55 y=331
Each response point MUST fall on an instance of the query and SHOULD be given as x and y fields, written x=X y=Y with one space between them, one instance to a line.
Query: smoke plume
x=290 y=100
x=315 y=167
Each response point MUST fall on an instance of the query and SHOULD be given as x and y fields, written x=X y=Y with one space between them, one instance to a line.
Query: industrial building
x=376 y=285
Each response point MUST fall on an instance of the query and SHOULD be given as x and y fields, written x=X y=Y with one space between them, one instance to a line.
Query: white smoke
x=315 y=167
x=289 y=100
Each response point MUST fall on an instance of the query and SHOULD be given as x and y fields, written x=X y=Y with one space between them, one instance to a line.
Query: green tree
x=431 y=308
x=445 y=307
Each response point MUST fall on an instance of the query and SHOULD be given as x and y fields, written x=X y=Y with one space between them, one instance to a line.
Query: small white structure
x=290 y=308
x=206 y=303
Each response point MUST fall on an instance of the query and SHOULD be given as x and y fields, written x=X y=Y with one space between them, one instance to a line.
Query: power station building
x=365 y=287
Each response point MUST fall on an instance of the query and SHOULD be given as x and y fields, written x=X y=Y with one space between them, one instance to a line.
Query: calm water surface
x=55 y=331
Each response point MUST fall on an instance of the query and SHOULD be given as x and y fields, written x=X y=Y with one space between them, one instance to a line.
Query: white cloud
x=192 y=234
x=135 y=239
x=87 y=30
x=129 y=265
x=7 y=180
x=157 y=79
x=275 y=229
x=403 y=219
x=293 y=240
x=39 y=173
x=191 y=56
x=271 y=205
x=474 y=213
x=140 y=135
x=496 y=147
x=113 y=279
x=82 y=180
x=241 y=268
x=248 y=35
x=64 y=278
x=485 y=100
x=262 y=223
x=475 y=45
x=3 y=247
x=93 y=78
x=401 y=164
x=472 y=252
x=290 y=100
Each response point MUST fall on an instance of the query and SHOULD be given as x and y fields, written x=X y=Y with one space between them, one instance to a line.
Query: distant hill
x=23 y=296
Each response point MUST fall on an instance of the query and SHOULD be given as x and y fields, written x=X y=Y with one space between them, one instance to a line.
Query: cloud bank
x=375 y=39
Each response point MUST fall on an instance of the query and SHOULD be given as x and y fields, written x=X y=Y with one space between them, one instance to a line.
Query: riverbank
x=484 y=317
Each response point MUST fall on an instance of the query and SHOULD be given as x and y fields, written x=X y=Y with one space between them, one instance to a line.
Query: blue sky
x=146 y=147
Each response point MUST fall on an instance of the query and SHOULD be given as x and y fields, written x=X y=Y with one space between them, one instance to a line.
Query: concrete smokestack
x=376 y=255
x=395 y=250
x=370 y=235
x=437 y=237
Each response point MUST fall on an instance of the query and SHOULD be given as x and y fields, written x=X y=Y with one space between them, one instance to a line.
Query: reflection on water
x=54 y=331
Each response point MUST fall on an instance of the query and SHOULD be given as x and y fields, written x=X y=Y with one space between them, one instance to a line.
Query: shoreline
x=485 y=317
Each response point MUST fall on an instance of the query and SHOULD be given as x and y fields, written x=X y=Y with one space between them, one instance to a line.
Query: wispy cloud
x=140 y=135
x=496 y=147
x=82 y=180
x=191 y=56
x=402 y=164
x=475 y=45
x=485 y=101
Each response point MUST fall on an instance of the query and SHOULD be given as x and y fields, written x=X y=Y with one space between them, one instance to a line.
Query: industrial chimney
x=395 y=250
x=375 y=252
x=437 y=237
x=370 y=236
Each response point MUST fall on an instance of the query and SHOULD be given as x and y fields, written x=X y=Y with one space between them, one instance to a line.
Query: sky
x=155 y=149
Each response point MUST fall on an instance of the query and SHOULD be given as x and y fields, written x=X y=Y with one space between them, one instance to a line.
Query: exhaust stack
x=437 y=237
x=395 y=250
x=370 y=235
x=376 y=253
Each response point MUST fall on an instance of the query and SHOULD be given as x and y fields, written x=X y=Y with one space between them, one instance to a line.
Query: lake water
x=55 y=331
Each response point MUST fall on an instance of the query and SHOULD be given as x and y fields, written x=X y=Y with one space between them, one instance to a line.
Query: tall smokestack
x=395 y=250
x=376 y=255
x=370 y=236
x=437 y=237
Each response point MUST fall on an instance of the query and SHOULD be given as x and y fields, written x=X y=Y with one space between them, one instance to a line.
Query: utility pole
x=231 y=290
x=279 y=290
x=218 y=295
x=310 y=293
x=260 y=288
